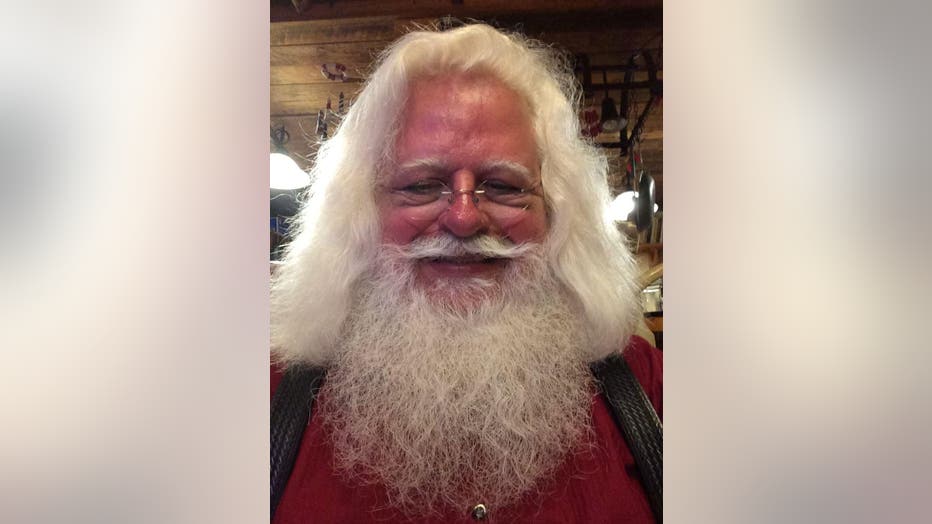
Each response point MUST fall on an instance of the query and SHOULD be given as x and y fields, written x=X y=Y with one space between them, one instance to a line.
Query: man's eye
x=500 y=188
x=424 y=187
x=420 y=193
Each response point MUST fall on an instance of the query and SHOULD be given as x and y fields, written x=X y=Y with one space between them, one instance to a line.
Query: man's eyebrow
x=430 y=164
x=440 y=166
x=505 y=165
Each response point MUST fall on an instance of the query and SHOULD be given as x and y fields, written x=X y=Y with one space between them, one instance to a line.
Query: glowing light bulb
x=622 y=206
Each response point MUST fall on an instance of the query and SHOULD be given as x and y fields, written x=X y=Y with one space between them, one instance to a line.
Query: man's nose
x=464 y=218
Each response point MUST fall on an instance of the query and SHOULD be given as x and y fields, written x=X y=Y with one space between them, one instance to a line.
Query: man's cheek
x=528 y=229
x=400 y=229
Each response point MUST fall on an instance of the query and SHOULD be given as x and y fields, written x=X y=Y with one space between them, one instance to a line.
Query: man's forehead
x=456 y=80
x=457 y=112
x=476 y=88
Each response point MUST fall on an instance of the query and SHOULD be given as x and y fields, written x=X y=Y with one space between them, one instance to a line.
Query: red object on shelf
x=591 y=122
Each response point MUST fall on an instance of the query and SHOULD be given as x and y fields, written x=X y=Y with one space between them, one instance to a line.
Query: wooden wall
x=353 y=33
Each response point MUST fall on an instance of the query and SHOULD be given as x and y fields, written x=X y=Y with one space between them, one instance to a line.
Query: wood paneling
x=360 y=53
x=306 y=99
x=609 y=42
x=302 y=139
x=301 y=63
x=331 y=31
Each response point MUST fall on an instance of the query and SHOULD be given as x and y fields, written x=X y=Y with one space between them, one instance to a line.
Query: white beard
x=446 y=407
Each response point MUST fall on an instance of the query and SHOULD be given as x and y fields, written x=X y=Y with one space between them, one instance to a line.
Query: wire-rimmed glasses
x=431 y=191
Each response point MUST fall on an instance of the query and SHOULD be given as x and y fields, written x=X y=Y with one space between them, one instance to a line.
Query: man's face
x=463 y=131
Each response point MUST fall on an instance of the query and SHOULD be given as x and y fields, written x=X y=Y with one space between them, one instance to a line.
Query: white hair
x=338 y=230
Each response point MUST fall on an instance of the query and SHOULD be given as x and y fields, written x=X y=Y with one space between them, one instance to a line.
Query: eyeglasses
x=425 y=192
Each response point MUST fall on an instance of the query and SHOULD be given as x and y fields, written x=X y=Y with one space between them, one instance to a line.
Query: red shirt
x=599 y=484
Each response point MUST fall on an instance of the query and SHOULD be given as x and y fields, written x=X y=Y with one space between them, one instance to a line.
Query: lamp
x=610 y=121
x=284 y=172
x=622 y=206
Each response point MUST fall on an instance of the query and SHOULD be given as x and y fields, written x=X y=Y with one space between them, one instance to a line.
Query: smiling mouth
x=466 y=266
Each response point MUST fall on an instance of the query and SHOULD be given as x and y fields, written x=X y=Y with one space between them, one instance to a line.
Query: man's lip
x=460 y=266
x=462 y=260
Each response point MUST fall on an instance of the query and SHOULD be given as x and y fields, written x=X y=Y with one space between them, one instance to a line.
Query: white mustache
x=485 y=246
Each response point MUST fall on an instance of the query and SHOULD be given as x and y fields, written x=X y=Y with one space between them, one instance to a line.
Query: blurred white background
x=133 y=272
x=796 y=290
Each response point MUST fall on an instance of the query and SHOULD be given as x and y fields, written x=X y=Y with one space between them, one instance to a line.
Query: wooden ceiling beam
x=331 y=9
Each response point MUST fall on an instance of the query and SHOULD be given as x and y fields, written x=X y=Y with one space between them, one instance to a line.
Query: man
x=455 y=274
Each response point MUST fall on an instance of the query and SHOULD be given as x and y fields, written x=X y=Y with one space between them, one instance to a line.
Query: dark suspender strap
x=289 y=416
x=639 y=423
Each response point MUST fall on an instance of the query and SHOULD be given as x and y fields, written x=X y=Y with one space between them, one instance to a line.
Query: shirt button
x=479 y=512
